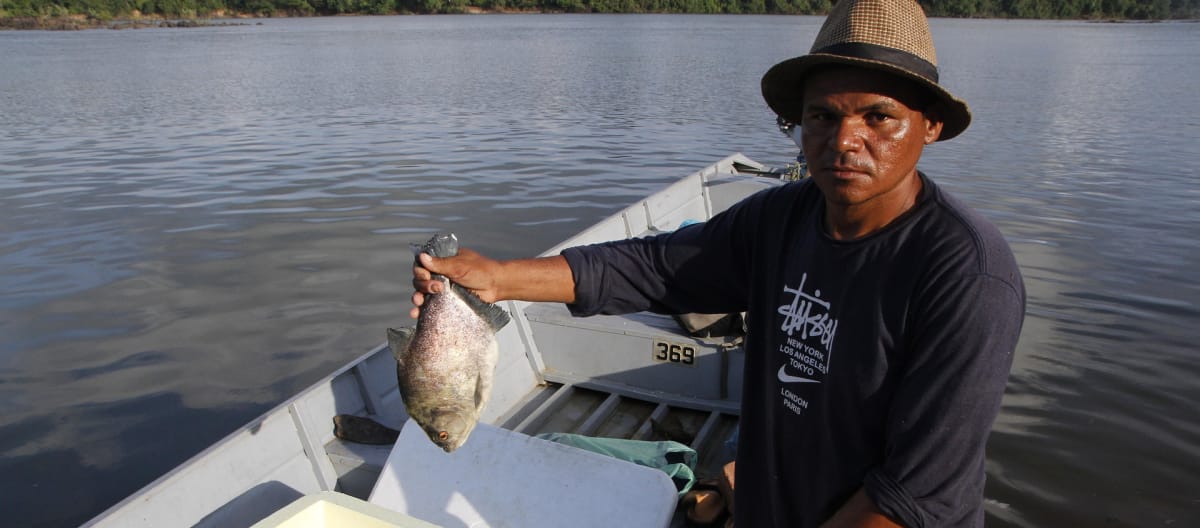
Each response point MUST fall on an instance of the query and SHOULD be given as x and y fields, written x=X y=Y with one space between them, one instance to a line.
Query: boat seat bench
x=640 y=352
x=357 y=465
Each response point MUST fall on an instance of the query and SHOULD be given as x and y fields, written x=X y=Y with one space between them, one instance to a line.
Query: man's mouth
x=847 y=171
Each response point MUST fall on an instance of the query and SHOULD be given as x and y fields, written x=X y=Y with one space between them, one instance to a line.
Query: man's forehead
x=839 y=80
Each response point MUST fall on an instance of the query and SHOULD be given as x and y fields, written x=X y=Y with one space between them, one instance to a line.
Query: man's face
x=862 y=134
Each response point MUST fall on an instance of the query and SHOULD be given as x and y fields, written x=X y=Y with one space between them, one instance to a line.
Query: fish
x=447 y=363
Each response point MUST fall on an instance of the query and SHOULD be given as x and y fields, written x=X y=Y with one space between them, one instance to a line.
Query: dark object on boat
x=712 y=325
x=671 y=429
x=361 y=430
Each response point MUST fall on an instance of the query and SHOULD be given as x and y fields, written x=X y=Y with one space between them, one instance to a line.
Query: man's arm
x=859 y=512
x=941 y=412
x=546 y=279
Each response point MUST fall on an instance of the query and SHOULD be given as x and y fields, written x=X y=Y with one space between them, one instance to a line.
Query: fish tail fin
x=441 y=245
x=495 y=316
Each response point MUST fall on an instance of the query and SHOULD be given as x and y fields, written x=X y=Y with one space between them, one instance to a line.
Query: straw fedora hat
x=888 y=35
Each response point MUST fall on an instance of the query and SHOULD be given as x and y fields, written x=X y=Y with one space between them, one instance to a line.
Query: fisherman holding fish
x=910 y=301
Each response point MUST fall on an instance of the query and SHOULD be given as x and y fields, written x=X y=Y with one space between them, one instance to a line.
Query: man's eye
x=877 y=117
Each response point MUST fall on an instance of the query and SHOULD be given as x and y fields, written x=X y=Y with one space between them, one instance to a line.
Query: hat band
x=895 y=57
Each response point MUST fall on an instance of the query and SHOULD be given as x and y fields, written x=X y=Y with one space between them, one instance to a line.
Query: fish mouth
x=448 y=445
x=442 y=439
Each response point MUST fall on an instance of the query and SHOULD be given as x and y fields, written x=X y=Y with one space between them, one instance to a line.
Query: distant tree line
x=1065 y=9
x=1070 y=9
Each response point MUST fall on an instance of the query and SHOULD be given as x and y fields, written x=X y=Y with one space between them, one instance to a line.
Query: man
x=882 y=313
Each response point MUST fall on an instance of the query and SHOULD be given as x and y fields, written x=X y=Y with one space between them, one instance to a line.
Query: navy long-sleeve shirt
x=877 y=363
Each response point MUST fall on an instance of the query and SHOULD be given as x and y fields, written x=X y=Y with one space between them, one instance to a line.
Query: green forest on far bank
x=190 y=9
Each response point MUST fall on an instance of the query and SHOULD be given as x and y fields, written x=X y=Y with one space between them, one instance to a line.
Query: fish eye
x=442 y=435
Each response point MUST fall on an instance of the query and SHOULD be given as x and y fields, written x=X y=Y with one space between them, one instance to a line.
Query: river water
x=197 y=223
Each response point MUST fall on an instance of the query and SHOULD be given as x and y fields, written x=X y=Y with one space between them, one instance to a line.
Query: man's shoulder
x=786 y=193
x=959 y=229
x=780 y=202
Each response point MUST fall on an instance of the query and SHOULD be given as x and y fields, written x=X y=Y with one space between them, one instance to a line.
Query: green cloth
x=673 y=458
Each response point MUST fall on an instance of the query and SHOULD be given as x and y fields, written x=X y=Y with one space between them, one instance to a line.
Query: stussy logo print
x=799 y=315
x=808 y=345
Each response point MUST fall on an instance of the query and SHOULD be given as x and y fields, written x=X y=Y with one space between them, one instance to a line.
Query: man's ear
x=933 y=122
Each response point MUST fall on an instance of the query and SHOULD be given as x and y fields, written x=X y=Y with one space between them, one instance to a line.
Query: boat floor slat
x=599 y=415
x=647 y=426
x=628 y=391
x=545 y=410
x=706 y=430
x=612 y=414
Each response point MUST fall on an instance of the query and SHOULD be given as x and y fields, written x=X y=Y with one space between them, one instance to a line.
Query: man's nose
x=848 y=136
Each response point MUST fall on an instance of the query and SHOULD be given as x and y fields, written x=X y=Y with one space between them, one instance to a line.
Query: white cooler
x=504 y=479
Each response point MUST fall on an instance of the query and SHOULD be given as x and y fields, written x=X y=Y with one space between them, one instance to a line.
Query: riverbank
x=221 y=18
x=116 y=14
x=81 y=22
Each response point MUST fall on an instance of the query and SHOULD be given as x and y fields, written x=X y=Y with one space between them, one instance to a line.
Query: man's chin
x=842 y=190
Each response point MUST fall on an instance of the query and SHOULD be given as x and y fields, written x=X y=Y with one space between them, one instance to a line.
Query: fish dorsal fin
x=495 y=316
x=398 y=340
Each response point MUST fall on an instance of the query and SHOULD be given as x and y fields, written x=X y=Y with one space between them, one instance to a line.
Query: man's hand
x=467 y=269
x=860 y=512
x=546 y=279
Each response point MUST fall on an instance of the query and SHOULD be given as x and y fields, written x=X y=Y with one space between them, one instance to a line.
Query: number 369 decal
x=678 y=353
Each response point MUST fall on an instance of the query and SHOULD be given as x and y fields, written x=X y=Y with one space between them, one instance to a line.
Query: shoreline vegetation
x=130 y=21
x=132 y=14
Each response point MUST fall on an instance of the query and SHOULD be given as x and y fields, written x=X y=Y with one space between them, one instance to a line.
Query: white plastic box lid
x=500 y=478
